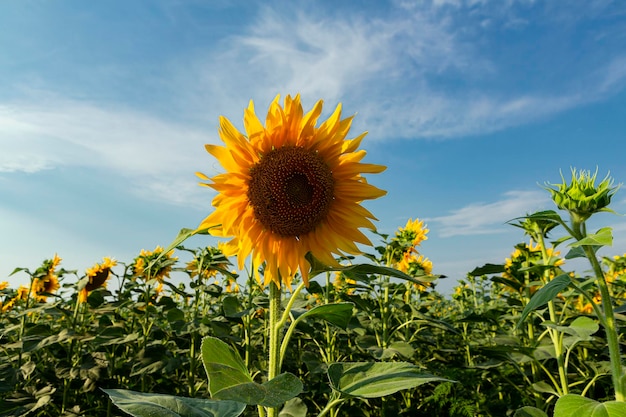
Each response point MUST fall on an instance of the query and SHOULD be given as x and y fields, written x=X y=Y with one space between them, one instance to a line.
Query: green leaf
x=572 y=405
x=578 y=252
x=545 y=294
x=602 y=237
x=544 y=387
x=317 y=267
x=223 y=365
x=229 y=378
x=272 y=393
x=338 y=314
x=529 y=412
x=294 y=408
x=376 y=379
x=139 y=404
x=281 y=389
x=487 y=269
x=582 y=327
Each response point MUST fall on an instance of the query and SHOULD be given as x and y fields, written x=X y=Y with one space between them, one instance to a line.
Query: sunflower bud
x=582 y=198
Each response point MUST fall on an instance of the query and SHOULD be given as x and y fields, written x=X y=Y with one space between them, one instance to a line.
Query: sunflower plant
x=289 y=203
x=581 y=198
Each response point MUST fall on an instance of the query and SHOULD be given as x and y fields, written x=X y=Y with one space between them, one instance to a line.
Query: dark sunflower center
x=291 y=190
x=97 y=280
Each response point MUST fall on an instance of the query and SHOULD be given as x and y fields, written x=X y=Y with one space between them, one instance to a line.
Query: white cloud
x=155 y=157
x=393 y=68
x=489 y=218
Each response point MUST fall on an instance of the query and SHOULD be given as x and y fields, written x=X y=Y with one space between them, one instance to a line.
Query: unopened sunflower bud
x=582 y=198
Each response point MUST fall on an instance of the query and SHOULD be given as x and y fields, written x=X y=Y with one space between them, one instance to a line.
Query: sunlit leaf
x=582 y=327
x=229 y=378
x=603 y=237
x=572 y=405
x=223 y=365
x=376 y=379
x=139 y=404
x=338 y=314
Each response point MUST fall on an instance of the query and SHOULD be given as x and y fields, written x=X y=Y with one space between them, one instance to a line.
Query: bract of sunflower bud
x=582 y=198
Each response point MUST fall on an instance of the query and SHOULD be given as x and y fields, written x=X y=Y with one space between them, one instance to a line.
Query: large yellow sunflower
x=290 y=188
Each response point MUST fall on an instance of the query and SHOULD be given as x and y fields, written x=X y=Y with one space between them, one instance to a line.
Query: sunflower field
x=289 y=317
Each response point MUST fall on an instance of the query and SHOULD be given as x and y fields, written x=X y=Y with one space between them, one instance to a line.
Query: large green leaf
x=581 y=329
x=602 y=237
x=545 y=294
x=139 y=404
x=376 y=379
x=572 y=405
x=229 y=378
x=223 y=365
x=317 y=267
x=272 y=393
x=338 y=314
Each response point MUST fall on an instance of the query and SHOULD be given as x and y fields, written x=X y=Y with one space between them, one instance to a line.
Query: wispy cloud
x=395 y=68
x=154 y=156
x=489 y=218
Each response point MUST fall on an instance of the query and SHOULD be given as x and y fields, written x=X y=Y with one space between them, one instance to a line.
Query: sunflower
x=98 y=276
x=290 y=188
x=21 y=294
x=415 y=265
x=414 y=232
x=153 y=265
x=46 y=280
x=207 y=263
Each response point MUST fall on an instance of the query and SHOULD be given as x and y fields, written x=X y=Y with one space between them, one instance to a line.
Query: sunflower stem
x=274 y=339
x=286 y=314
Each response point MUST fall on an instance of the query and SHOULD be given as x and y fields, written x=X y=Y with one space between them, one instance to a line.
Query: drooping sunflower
x=98 y=276
x=46 y=280
x=290 y=187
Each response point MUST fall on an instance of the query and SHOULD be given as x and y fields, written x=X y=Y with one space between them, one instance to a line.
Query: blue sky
x=472 y=104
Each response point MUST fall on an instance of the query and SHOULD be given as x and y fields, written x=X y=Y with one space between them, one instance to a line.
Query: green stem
x=274 y=338
x=610 y=326
x=330 y=406
x=292 y=326
x=579 y=231
x=555 y=335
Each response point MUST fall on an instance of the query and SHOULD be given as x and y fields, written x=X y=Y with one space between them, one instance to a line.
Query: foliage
x=524 y=338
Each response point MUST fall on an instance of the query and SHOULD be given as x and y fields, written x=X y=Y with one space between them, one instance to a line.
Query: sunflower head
x=406 y=240
x=415 y=265
x=45 y=279
x=97 y=277
x=153 y=265
x=290 y=187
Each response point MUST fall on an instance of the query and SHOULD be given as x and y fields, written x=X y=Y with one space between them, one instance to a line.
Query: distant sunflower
x=415 y=265
x=98 y=276
x=290 y=188
x=414 y=232
x=46 y=280
x=153 y=265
